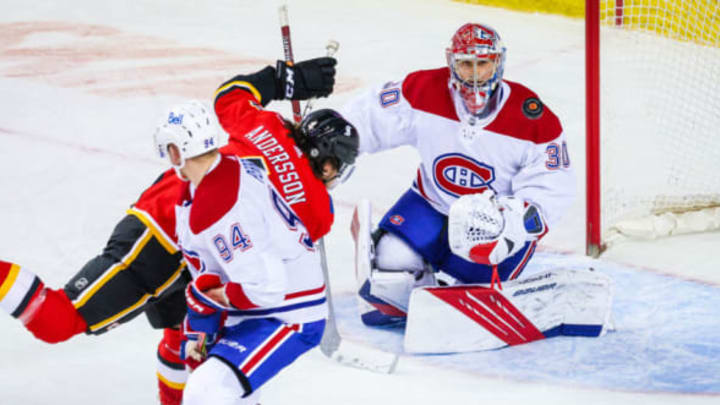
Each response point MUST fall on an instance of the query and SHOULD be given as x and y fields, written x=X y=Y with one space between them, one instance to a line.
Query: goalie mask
x=190 y=126
x=324 y=135
x=476 y=58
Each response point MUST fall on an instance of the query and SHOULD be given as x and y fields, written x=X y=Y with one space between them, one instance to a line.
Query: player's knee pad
x=214 y=382
x=47 y=314
x=171 y=372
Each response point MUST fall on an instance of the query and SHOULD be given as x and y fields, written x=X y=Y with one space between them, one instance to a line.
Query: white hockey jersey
x=236 y=225
x=518 y=150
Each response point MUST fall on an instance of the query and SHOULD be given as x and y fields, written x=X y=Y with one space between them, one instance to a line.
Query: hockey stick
x=345 y=352
x=331 y=47
x=332 y=345
x=287 y=50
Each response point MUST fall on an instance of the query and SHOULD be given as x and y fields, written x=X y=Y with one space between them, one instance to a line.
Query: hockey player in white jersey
x=257 y=300
x=495 y=175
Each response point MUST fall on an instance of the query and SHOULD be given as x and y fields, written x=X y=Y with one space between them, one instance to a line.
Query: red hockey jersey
x=254 y=133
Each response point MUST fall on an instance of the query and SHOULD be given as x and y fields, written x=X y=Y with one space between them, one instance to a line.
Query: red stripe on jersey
x=237 y=297
x=216 y=194
x=305 y=293
x=421 y=187
x=427 y=90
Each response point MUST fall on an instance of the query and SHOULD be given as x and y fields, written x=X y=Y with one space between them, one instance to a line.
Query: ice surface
x=83 y=83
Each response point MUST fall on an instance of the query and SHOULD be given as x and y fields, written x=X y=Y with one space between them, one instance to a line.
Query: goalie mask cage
x=653 y=118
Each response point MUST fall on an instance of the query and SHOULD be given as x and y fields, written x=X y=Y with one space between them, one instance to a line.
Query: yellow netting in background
x=687 y=20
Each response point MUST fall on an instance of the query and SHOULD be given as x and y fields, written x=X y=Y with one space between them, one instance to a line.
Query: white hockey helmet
x=192 y=127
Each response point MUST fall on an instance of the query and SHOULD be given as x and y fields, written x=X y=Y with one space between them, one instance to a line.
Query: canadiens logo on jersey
x=457 y=174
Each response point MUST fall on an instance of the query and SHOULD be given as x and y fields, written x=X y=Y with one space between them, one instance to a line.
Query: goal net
x=659 y=118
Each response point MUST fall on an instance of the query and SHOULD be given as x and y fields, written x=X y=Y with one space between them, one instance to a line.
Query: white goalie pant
x=562 y=302
x=215 y=383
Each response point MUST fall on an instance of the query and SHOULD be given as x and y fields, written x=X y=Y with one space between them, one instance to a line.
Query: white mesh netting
x=660 y=108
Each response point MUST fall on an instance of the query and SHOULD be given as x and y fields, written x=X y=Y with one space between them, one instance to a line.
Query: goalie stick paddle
x=332 y=345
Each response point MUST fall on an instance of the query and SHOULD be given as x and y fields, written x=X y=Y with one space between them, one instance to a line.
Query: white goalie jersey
x=518 y=150
x=237 y=226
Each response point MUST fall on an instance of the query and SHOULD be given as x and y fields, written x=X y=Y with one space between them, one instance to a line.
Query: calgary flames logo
x=458 y=174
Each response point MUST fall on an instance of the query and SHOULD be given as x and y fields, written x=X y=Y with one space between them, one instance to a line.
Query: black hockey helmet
x=326 y=135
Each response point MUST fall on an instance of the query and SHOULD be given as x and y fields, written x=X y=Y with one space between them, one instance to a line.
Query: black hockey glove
x=306 y=79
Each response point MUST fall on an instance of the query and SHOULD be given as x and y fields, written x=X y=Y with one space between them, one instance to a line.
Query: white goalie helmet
x=192 y=127
x=476 y=50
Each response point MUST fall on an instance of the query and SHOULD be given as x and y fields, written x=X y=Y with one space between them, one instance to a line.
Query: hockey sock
x=20 y=290
x=48 y=314
x=171 y=371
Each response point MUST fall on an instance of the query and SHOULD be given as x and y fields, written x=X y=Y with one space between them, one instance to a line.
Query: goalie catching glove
x=307 y=79
x=487 y=230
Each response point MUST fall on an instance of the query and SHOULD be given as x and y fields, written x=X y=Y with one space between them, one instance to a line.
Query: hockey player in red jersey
x=141 y=268
x=495 y=174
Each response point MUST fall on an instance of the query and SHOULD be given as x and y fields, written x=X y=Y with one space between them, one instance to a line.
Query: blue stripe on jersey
x=260 y=312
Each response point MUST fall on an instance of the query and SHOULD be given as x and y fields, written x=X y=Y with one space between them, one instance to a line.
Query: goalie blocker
x=562 y=302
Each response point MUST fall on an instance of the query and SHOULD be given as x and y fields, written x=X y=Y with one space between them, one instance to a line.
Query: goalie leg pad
x=378 y=311
x=383 y=295
x=374 y=310
x=474 y=317
x=360 y=228
x=389 y=293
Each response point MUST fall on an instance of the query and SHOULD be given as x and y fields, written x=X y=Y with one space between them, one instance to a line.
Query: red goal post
x=652 y=119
